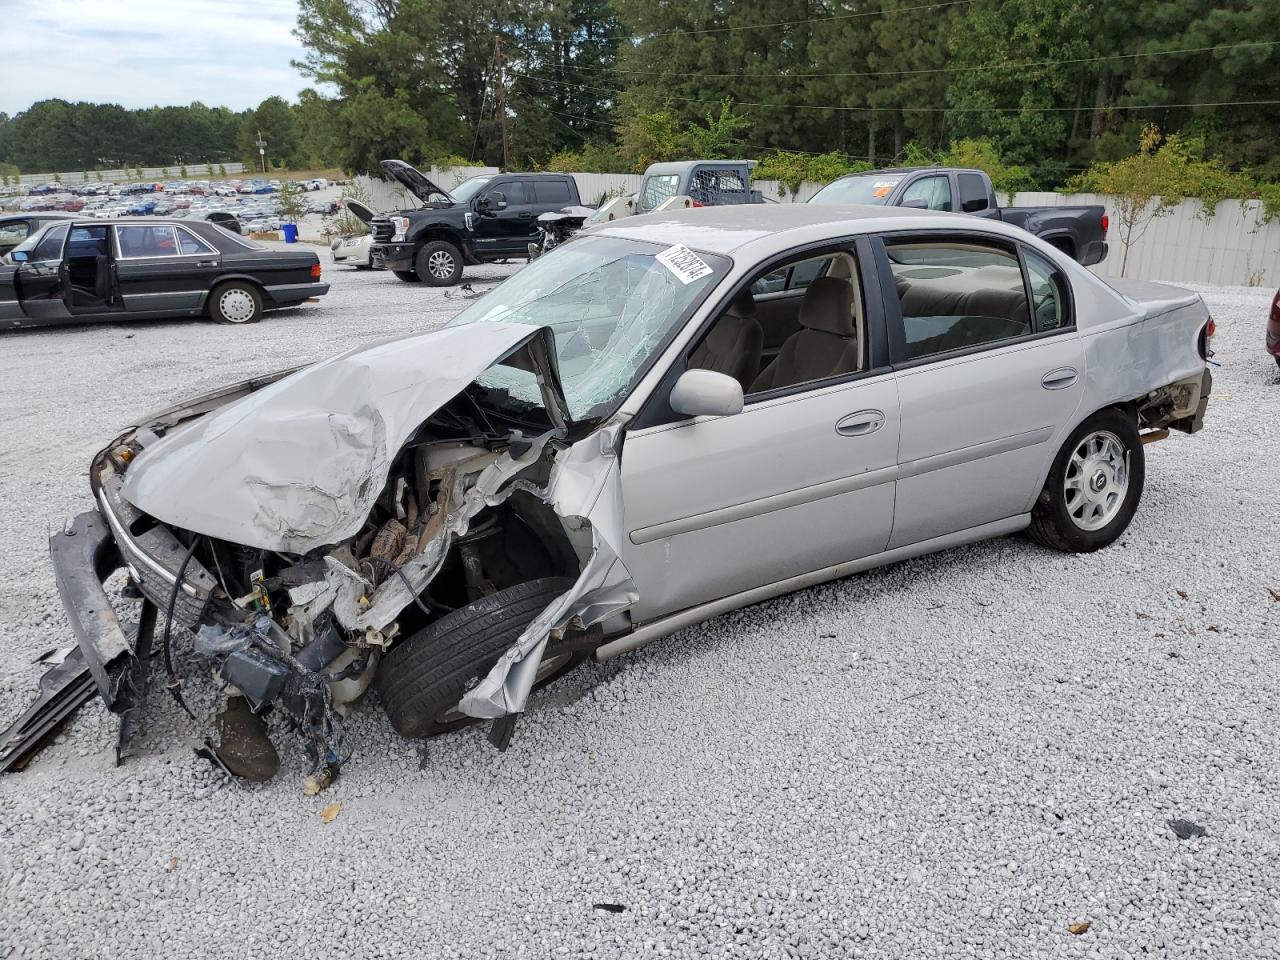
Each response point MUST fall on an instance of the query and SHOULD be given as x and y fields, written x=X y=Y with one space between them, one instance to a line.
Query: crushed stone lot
x=968 y=754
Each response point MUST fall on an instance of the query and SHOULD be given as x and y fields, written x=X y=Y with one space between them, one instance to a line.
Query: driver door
x=39 y=279
x=801 y=480
x=507 y=224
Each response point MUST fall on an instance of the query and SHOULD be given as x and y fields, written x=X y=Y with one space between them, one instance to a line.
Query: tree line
x=1050 y=88
x=55 y=135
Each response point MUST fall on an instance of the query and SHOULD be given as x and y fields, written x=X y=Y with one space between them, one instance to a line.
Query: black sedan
x=82 y=271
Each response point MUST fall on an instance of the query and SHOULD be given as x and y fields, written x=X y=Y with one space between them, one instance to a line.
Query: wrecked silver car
x=666 y=418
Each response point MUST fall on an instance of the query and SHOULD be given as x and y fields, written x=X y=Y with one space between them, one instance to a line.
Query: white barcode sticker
x=684 y=263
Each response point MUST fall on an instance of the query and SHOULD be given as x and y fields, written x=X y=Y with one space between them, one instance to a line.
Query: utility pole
x=262 y=150
x=501 y=95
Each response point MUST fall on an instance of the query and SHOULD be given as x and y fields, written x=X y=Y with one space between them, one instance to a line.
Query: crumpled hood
x=299 y=463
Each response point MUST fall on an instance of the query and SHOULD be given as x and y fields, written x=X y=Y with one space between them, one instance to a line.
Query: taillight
x=315 y=271
x=698 y=203
x=1106 y=222
x=1206 y=334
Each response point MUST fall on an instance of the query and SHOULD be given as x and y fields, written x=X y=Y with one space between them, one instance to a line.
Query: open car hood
x=359 y=210
x=298 y=462
x=414 y=181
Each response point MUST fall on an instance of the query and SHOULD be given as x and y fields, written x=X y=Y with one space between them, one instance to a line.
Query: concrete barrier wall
x=1234 y=247
x=195 y=171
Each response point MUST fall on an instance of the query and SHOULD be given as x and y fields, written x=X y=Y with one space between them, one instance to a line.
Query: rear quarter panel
x=269 y=268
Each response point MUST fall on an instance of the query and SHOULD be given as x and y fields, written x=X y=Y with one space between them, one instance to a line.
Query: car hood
x=359 y=210
x=297 y=462
x=414 y=181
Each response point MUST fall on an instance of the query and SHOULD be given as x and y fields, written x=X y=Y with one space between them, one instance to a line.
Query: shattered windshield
x=873 y=188
x=611 y=304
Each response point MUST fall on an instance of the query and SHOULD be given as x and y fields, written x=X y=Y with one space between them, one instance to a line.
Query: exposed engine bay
x=487 y=493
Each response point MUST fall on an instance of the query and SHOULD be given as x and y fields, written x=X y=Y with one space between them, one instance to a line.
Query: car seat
x=826 y=345
x=734 y=343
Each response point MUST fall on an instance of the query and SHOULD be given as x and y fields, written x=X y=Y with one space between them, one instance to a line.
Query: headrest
x=828 y=306
x=743 y=305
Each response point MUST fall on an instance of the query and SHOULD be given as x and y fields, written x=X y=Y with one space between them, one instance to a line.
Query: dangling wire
x=174 y=684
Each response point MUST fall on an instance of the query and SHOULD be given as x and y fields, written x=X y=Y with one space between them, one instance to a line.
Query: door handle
x=1059 y=379
x=207 y=263
x=527 y=215
x=861 y=423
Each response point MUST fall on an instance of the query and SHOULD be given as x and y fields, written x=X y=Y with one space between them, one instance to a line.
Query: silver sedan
x=666 y=418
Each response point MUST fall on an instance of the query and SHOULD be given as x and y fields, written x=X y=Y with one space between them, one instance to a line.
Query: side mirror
x=500 y=201
x=973 y=206
x=705 y=393
x=915 y=204
x=18 y=256
x=482 y=204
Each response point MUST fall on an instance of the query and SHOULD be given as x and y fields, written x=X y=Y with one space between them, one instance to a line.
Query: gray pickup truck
x=1079 y=232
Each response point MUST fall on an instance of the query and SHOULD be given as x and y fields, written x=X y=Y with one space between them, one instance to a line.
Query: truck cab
x=686 y=183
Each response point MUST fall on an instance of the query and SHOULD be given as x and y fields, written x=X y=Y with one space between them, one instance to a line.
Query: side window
x=973 y=192
x=1051 y=303
x=657 y=189
x=789 y=341
x=551 y=191
x=190 y=244
x=146 y=241
x=934 y=191
x=50 y=246
x=12 y=234
x=87 y=242
x=957 y=294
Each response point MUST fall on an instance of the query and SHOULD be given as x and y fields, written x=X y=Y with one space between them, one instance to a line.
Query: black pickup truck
x=1079 y=232
x=483 y=219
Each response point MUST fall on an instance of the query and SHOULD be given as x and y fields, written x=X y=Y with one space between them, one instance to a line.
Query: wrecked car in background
x=668 y=418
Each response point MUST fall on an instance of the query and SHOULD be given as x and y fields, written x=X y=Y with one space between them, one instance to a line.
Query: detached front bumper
x=393 y=256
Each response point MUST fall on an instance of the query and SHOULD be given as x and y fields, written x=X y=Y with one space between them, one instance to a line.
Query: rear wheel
x=439 y=264
x=408 y=276
x=1094 y=486
x=235 y=302
x=423 y=677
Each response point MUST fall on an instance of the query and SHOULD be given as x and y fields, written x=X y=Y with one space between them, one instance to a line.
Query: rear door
x=161 y=268
x=988 y=384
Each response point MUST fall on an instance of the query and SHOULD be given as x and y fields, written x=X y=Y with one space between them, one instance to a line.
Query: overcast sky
x=143 y=52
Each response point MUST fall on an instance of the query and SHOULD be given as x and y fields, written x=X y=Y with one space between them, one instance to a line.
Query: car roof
x=772 y=227
x=49 y=215
x=680 y=166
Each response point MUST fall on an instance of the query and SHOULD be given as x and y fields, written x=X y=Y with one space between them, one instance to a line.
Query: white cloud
x=144 y=52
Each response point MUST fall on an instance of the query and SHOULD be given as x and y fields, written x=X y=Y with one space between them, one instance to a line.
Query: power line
x=904 y=109
x=789 y=23
x=932 y=70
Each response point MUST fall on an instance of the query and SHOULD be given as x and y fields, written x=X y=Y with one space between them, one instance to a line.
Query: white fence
x=1234 y=247
x=195 y=171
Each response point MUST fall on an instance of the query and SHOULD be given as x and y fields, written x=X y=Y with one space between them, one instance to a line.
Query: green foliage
x=648 y=138
x=792 y=169
x=979 y=154
x=164 y=173
x=182 y=171
x=292 y=200
x=222 y=170
x=719 y=139
x=594 y=157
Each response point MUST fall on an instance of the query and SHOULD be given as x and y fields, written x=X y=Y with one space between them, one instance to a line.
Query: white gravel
x=957 y=756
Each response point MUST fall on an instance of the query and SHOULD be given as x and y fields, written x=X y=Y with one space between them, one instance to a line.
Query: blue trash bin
x=290 y=232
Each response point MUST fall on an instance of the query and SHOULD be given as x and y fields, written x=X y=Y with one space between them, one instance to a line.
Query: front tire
x=439 y=264
x=236 y=302
x=1094 y=486
x=423 y=677
x=408 y=276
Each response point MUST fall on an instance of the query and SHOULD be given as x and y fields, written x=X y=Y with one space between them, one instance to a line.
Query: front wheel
x=1094 y=486
x=408 y=276
x=439 y=264
x=235 y=302
x=423 y=677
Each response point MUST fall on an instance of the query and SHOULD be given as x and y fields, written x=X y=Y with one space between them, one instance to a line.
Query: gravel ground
x=961 y=755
